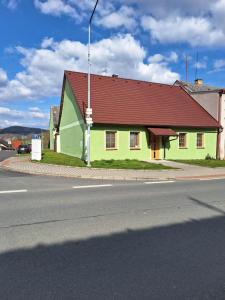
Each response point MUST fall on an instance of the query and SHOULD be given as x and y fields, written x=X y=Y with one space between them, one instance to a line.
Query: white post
x=89 y=98
x=89 y=110
x=36 y=148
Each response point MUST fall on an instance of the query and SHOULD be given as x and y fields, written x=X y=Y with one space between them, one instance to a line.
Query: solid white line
x=13 y=191
x=157 y=182
x=91 y=186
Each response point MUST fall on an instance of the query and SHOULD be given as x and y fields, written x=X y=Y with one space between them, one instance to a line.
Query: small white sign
x=36 y=149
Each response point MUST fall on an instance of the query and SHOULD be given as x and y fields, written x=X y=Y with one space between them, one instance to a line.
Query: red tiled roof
x=162 y=131
x=133 y=102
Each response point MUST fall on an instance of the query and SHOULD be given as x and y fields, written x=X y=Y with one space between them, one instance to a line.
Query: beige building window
x=182 y=140
x=110 y=139
x=200 y=140
x=135 y=140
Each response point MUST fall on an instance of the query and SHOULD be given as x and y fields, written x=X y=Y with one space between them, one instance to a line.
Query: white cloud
x=47 y=42
x=38 y=115
x=11 y=4
x=124 y=17
x=3 y=77
x=4 y=111
x=34 y=109
x=7 y=123
x=43 y=68
x=195 y=31
x=198 y=23
x=200 y=65
x=157 y=58
x=218 y=13
x=219 y=63
x=11 y=117
x=163 y=8
x=57 y=8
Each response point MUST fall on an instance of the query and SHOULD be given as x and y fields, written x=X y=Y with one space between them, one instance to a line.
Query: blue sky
x=142 y=39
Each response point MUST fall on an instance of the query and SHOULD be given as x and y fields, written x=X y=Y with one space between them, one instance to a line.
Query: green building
x=133 y=119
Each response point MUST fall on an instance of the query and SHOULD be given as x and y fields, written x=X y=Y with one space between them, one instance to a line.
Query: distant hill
x=21 y=130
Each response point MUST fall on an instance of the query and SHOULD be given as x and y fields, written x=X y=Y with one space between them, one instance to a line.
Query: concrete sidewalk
x=23 y=164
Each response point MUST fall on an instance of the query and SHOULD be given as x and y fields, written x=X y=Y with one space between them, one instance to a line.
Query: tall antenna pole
x=89 y=110
x=186 y=68
x=196 y=66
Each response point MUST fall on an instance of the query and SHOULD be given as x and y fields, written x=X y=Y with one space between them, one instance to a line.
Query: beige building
x=212 y=99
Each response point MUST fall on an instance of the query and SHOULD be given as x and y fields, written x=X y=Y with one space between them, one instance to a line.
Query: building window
x=200 y=140
x=182 y=140
x=135 y=140
x=110 y=139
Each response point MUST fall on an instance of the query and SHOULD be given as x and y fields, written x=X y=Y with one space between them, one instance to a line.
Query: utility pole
x=89 y=121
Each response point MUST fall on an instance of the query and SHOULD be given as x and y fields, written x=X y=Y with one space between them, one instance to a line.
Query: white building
x=212 y=99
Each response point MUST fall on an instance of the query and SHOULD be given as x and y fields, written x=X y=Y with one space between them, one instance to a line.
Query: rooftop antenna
x=196 y=66
x=186 y=61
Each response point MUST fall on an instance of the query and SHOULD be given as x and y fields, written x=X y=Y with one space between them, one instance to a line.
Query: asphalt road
x=63 y=238
x=6 y=154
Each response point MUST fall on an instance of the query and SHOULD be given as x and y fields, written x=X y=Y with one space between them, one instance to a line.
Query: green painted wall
x=51 y=133
x=192 y=152
x=98 y=149
x=72 y=128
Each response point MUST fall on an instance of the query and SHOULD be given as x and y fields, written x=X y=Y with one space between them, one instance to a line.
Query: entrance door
x=155 y=146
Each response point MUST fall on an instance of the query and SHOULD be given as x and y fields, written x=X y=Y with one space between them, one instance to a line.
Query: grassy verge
x=51 y=157
x=128 y=164
x=210 y=163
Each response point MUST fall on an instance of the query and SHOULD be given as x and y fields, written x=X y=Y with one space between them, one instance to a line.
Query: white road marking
x=13 y=191
x=157 y=182
x=91 y=186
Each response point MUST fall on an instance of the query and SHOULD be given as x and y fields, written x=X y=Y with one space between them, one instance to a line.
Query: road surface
x=64 y=238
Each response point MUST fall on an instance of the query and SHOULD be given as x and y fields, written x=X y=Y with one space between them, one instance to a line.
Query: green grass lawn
x=51 y=157
x=210 y=163
x=127 y=164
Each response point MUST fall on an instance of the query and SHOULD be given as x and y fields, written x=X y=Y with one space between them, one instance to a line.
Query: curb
x=6 y=165
x=88 y=177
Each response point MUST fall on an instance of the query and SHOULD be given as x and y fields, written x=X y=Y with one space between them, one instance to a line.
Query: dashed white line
x=157 y=182
x=13 y=191
x=91 y=186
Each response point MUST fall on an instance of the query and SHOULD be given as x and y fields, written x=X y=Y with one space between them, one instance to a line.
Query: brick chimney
x=198 y=81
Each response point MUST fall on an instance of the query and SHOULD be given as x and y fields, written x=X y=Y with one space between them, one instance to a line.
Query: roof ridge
x=123 y=78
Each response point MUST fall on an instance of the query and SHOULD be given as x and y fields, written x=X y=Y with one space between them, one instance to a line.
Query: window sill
x=200 y=147
x=183 y=147
x=108 y=149
x=137 y=148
